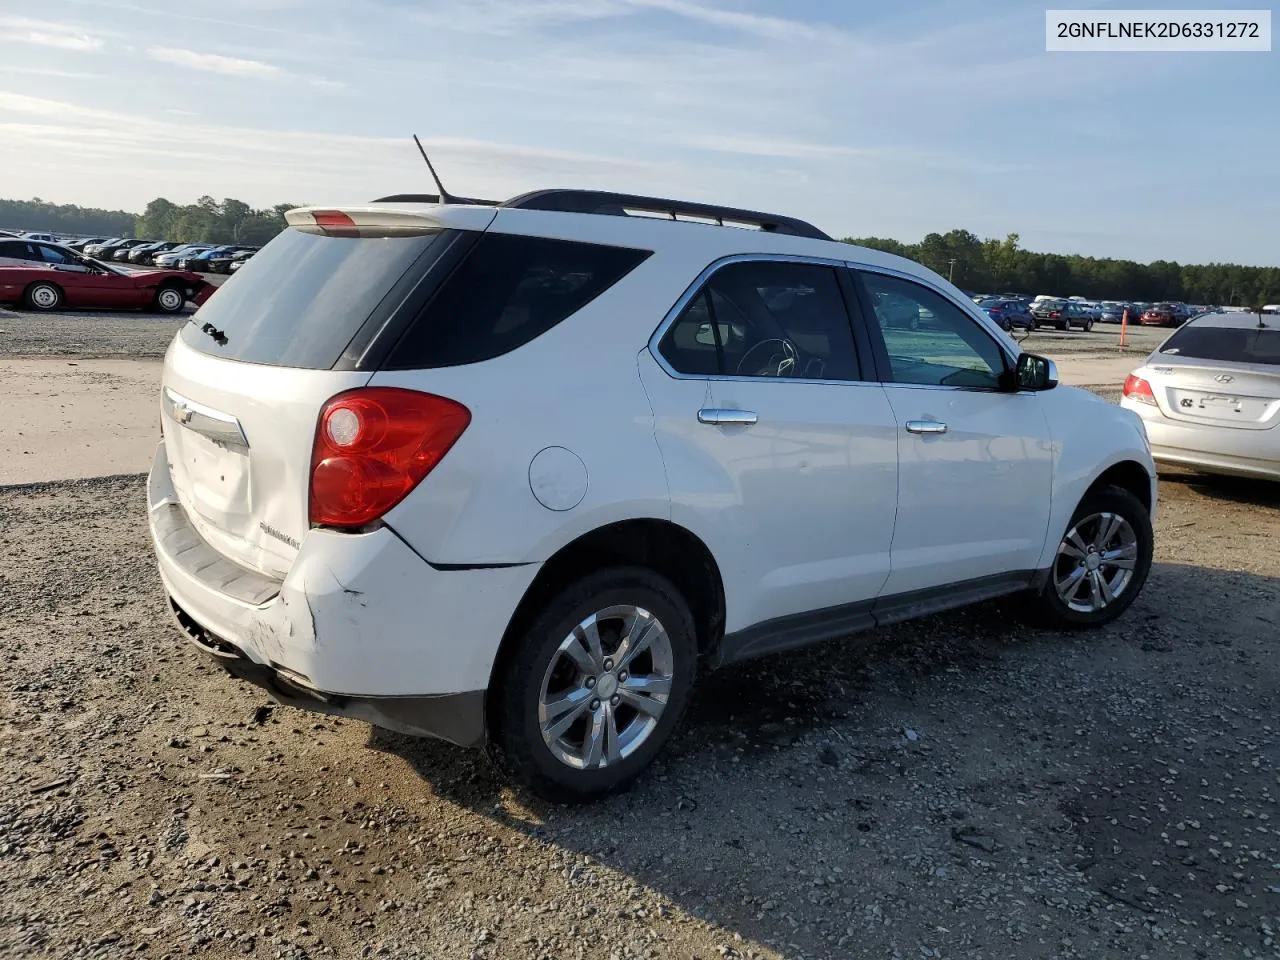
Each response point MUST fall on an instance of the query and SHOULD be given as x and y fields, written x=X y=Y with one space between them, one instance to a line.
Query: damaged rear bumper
x=456 y=717
x=360 y=626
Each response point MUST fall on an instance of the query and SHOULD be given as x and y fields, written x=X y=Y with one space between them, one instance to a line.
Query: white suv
x=513 y=473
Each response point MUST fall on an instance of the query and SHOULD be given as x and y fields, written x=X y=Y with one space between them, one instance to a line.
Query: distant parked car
x=1113 y=312
x=1162 y=315
x=199 y=259
x=221 y=262
x=171 y=258
x=90 y=283
x=1210 y=396
x=1063 y=314
x=175 y=252
x=107 y=249
x=144 y=253
x=80 y=243
x=121 y=253
x=1009 y=314
x=42 y=237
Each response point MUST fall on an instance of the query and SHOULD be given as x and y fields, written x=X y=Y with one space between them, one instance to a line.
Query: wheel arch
x=658 y=545
x=1128 y=475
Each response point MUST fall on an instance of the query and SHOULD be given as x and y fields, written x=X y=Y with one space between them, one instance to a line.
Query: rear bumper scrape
x=455 y=717
x=358 y=617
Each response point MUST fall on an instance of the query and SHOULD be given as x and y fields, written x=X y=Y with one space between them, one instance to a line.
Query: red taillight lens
x=1135 y=388
x=334 y=219
x=373 y=446
x=1054 y=316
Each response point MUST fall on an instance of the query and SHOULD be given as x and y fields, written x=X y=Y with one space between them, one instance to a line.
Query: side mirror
x=1035 y=373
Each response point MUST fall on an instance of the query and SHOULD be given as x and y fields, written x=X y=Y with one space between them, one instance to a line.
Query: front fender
x=1090 y=437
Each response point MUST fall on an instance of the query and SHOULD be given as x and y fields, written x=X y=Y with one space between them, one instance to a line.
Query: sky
x=868 y=119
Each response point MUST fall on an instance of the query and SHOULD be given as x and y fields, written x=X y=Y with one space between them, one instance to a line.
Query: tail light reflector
x=1135 y=388
x=374 y=445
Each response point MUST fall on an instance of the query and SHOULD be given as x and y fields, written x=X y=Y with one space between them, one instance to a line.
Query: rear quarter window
x=508 y=291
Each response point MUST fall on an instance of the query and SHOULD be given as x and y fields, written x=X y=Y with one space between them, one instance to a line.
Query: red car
x=1161 y=315
x=46 y=287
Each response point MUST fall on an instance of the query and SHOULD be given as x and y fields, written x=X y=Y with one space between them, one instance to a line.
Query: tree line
x=984 y=266
x=205 y=221
x=1002 y=266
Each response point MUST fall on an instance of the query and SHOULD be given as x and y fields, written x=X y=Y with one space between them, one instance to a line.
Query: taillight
x=1054 y=315
x=375 y=444
x=333 y=219
x=1135 y=388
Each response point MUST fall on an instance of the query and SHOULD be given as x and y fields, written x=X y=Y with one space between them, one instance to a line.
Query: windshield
x=1230 y=344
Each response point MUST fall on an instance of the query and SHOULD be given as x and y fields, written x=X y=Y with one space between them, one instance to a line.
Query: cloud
x=170 y=156
x=48 y=33
x=759 y=25
x=215 y=63
x=49 y=72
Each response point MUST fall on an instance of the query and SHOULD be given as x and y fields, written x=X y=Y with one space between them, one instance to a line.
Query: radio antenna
x=443 y=193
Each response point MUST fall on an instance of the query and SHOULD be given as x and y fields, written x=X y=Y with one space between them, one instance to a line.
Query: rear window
x=299 y=301
x=1231 y=344
x=506 y=292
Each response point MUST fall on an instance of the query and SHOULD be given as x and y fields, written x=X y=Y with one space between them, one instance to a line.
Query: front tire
x=170 y=299
x=43 y=296
x=595 y=685
x=1102 y=561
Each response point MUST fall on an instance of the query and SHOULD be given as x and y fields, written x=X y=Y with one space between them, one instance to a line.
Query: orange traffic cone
x=1124 y=328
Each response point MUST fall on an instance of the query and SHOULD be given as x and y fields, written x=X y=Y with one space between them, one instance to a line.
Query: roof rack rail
x=622 y=205
x=434 y=198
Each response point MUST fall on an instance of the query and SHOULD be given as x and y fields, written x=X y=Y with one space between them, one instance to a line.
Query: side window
x=508 y=291
x=929 y=339
x=54 y=255
x=765 y=319
x=19 y=250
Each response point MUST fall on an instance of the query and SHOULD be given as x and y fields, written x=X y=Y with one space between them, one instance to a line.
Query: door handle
x=926 y=426
x=722 y=417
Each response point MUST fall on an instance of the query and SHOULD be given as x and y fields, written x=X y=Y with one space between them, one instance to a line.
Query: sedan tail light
x=373 y=446
x=1135 y=388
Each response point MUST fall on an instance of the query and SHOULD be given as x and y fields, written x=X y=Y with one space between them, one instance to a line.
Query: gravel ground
x=963 y=786
x=86 y=334
x=959 y=787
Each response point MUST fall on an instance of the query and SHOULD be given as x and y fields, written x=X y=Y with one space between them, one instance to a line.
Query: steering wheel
x=769 y=358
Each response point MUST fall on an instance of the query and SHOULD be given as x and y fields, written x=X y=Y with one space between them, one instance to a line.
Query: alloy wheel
x=606 y=687
x=1095 y=562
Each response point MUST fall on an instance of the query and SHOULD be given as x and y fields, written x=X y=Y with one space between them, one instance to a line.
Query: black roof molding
x=618 y=205
x=435 y=198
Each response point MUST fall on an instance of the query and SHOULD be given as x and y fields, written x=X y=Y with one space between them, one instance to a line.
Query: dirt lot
x=964 y=786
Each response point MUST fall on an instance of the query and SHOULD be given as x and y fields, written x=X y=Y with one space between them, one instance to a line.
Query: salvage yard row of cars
x=197 y=257
x=1013 y=310
x=44 y=275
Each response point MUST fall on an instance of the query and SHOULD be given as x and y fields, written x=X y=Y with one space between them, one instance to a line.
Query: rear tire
x=1101 y=564
x=170 y=299
x=43 y=296
x=567 y=716
x=1088 y=326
